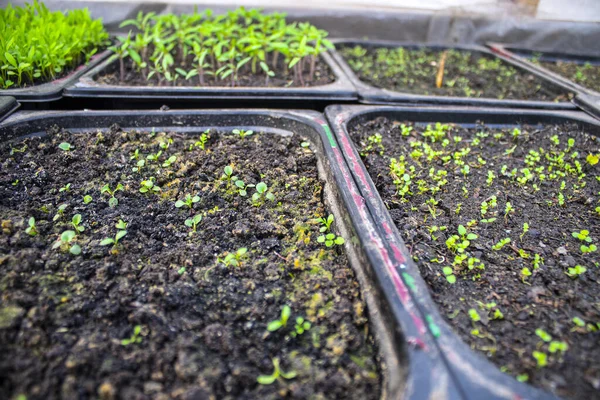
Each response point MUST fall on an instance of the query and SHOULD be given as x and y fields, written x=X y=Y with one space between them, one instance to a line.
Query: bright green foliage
x=449 y=274
x=60 y=212
x=201 y=143
x=200 y=45
x=582 y=235
x=242 y=133
x=286 y=312
x=459 y=243
x=277 y=372
x=474 y=315
x=193 y=222
x=331 y=239
x=31 y=230
x=112 y=202
x=65 y=242
x=542 y=334
x=121 y=226
x=588 y=249
x=76 y=223
x=325 y=223
x=234 y=259
x=149 y=185
x=87 y=199
x=135 y=337
x=301 y=326
x=541 y=358
x=501 y=243
x=37 y=45
x=64 y=146
x=188 y=201
x=556 y=346
x=262 y=191
x=576 y=271
x=525 y=273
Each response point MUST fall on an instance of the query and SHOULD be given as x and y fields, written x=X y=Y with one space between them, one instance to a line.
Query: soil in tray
x=465 y=73
x=457 y=195
x=170 y=312
x=284 y=77
x=585 y=74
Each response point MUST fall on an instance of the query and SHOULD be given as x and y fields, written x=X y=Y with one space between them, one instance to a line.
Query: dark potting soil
x=494 y=305
x=466 y=74
x=585 y=74
x=193 y=327
x=283 y=78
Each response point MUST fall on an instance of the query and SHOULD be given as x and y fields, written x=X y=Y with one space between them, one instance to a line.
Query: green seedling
x=325 y=223
x=188 y=201
x=234 y=259
x=65 y=242
x=459 y=243
x=262 y=191
x=242 y=133
x=592 y=159
x=508 y=210
x=242 y=188
x=501 y=244
x=582 y=235
x=193 y=222
x=154 y=157
x=576 y=271
x=525 y=230
x=60 y=212
x=228 y=176
x=286 y=312
x=66 y=188
x=165 y=145
x=474 y=315
x=31 y=229
x=181 y=271
x=525 y=273
x=588 y=249
x=149 y=186
x=76 y=223
x=331 y=239
x=579 y=322
x=121 y=232
x=112 y=202
x=64 y=146
x=449 y=274
x=301 y=326
x=542 y=334
x=135 y=337
x=201 y=143
x=87 y=199
x=540 y=358
x=169 y=161
x=556 y=346
x=277 y=373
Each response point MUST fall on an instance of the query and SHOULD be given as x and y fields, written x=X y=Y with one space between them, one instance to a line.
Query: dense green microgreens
x=277 y=373
x=202 y=46
x=38 y=45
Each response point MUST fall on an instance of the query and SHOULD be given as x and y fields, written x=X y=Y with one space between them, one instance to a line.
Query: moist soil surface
x=160 y=315
x=465 y=74
x=284 y=77
x=494 y=305
x=586 y=74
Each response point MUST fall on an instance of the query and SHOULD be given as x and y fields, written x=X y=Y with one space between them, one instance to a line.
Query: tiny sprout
x=582 y=235
x=541 y=358
x=542 y=334
x=522 y=377
x=286 y=312
x=193 y=222
x=66 y=188
x=242 y=133
x=148 y=185
x=76 y=223
x=525 y=272
x=261 y=189
x=449 y=274
x=326 y=223
x=64 y=146
x=165 y=145
x=556 y=346
x=525 y=230
x=188 y=201
x=181 y=271
x=64 y=243
x=301 y=326
x=87 y=199
x=242 y=187
x=330 y=239
x=501 y=244
x=60 y=212
x=154 y=157
x=169 y=161
x=139 y=165
x=112 y=202
x=31 y=229
x=576 y=271
x=474 y=315
x=588 y=249
x=305 y=144
x=202 y=142
x=508 y=209
x=121 y=226
x=592 y=159
x=135 y=337
x=277 y=372
x=234 y=259
x=579 y=322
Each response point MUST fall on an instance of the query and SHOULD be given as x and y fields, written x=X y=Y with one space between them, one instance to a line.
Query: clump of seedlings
x=328 y=238
x=526 y=207
x=202 y=49
x=583 y=73
x=39 y=45
x=450 y=72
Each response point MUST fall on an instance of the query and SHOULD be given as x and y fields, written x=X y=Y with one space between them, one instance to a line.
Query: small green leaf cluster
x=220 y=47
x=188 y=201
x=277 y=372
x=459 y=243
x=234 y=259
x=66 y=242
x=121 y=231
x=113 y=201
x=149 y=185
x=262 y=191
x=554 y=347
x=38 y=45
x=328 y=238
x=193 y=222
x=135 y=337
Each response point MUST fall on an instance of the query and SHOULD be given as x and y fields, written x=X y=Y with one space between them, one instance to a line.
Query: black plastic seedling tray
x=341 y=90
x=589 y=104
x=7 y=106
x=52 y=91
x=477 y=377
x=522 y=56
x=369 y=94
x=412 y=365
